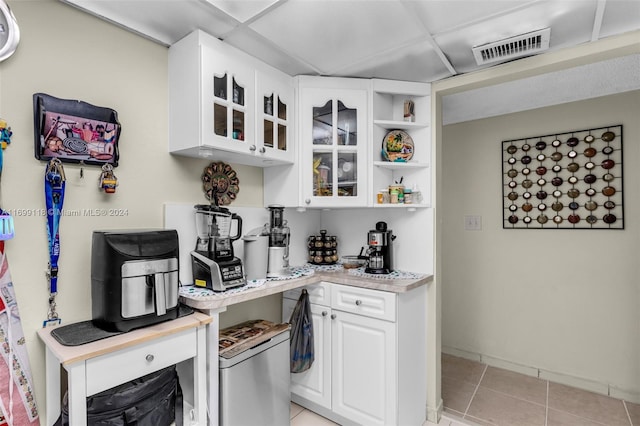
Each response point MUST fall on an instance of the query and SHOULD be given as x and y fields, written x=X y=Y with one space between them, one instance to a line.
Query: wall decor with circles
x=570 y=180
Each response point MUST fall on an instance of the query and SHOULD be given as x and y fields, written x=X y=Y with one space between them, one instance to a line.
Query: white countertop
x=205 y=299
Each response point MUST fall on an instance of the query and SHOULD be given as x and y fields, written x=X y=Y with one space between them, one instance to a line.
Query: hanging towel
x=302 y=353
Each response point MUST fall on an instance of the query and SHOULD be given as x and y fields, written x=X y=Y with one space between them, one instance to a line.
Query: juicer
x=279 y=237
x=213 y=262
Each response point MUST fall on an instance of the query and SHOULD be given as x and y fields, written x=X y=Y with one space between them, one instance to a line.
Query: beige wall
x=69 y=54
x=564 y=302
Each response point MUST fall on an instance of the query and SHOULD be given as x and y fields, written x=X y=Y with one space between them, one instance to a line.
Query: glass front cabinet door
x=275 y=111
x=334 y=140
x=228 y=103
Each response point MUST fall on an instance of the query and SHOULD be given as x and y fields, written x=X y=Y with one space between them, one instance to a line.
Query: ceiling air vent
x=512 y=47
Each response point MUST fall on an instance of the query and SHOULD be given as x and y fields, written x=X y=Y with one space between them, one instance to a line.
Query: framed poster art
x=75 y=131
x=569 y=180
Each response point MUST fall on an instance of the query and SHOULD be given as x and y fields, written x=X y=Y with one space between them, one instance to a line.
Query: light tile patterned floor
x=477 y=393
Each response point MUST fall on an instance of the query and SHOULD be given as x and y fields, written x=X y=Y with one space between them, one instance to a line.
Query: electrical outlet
x=473 y=223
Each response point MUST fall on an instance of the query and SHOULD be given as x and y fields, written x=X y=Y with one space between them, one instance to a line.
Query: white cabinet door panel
x=364 y=360
x=315 y=383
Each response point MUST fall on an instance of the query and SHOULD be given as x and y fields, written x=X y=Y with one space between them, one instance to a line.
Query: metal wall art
x=570 y=180
x=220 y=183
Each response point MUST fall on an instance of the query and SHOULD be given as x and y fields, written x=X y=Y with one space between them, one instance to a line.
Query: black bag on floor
x=151 y=400
x=301 y=349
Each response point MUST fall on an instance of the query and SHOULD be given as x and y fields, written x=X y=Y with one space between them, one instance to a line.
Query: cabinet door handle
x=263 y=150
x=333 y=316
x=324 y=313
x=149 y=358
x=358 y=302
x=252 y=148
x=307 y=201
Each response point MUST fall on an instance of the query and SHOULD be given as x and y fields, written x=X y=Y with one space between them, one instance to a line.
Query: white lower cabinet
x=361 y=337
x=315 y=383
x=363 y=369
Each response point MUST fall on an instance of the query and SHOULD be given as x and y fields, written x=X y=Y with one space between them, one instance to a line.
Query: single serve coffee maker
x=279 y=236
x=213 y=262
x=380 y=252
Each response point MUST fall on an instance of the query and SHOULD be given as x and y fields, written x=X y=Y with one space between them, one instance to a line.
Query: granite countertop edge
x=217 y=301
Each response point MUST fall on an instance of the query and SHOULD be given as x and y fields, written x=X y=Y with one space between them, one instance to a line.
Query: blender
x=213 y=262
x=380 y=252
x=279 y=236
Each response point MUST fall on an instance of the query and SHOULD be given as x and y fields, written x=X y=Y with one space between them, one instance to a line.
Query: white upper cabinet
x=343 y=160
x=275 y=116
x=216 y=110
x=334 y=139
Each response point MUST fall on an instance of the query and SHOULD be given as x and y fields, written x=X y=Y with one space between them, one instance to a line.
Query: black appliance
x=134 y=278
x=213 y=262
x=380 y=252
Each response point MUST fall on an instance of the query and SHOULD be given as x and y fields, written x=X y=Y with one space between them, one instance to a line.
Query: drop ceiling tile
x=416 y=62
x=441 y=16
x=331 y=34
x=255 y=45
x=571 y=23
x=165 y=21
x=242 y=10
x=620 y=16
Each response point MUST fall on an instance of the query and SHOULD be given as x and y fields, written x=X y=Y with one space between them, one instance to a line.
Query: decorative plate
x=220 y=183
x=397 y=146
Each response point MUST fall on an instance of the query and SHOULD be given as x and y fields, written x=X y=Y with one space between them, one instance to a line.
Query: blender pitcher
x=213 y=226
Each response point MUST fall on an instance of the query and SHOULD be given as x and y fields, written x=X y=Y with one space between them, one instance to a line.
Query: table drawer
x=318 y=293
x=109 y=370
x=364 y=301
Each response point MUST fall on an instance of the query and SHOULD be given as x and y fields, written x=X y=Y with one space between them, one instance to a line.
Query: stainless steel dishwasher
x=254 y=382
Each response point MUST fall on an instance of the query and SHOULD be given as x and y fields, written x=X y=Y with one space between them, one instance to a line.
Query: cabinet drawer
x=318 y=293
x=109 y=370
x=364 y=301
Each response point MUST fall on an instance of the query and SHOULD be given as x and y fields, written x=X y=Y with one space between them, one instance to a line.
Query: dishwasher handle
x=260 y=344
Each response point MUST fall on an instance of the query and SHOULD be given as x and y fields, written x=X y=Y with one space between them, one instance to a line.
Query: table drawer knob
x=358 y=302
x=149 y=358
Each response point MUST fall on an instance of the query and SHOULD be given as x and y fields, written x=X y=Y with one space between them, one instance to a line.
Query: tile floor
x=480 y=394
x=477 y=394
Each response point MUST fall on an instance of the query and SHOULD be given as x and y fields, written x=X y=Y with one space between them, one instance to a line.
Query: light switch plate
x=473 y=223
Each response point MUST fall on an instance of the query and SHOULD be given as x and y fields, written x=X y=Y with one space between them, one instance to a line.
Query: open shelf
x=399 y=165
x=401 y=206
x=403 y=125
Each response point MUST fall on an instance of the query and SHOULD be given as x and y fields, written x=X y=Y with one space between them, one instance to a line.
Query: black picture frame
x=75 y=131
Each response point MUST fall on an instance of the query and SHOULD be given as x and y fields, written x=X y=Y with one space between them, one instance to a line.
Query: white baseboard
x=435 y=413
x=576 y=382
x=630 y=395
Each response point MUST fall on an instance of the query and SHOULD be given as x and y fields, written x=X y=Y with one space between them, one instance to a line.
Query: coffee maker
x=213 y=263
x=279 y=236
x=380 y=252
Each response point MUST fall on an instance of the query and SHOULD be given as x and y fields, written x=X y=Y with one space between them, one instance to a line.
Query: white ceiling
x=415 y=40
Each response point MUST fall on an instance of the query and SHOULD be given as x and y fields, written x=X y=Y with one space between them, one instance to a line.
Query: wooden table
x=97 y=366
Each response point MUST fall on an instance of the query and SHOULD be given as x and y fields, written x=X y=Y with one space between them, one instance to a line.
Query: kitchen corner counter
x=337 y=276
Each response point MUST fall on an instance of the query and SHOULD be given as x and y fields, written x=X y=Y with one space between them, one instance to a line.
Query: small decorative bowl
x=352 y=262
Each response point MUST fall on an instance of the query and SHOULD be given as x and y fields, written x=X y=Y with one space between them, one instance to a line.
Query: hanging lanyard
x=54 y=182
